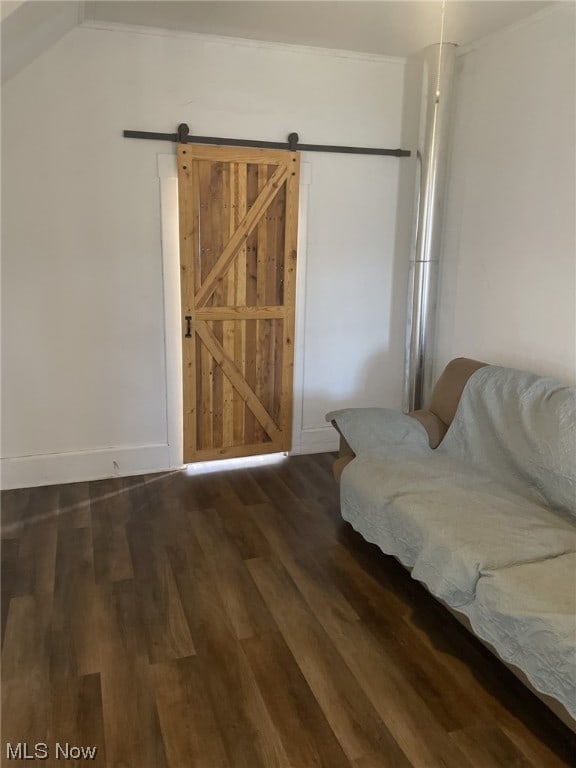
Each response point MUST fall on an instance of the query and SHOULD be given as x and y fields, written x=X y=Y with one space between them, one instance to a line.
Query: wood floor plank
x=13 y=506
x=25 y=677
x=241 y=529
x=302 y=567
x=245 y=487
x=389 y=691
x=316 y=474
x=293 y=479
x=74 y=507
x=109 y=515
x=241 y=600
x=490 y=748
x=351 y=716
x=16 y=577
x=313 y=530
x=232 y=619
x=320 y=482
x=326 y=462
x=491 y=690
x=17 y=573
x=557 y=748
x=9 y=549
x=76 y=717
x=75 y=648
x=189 y=728
x=203 y=493
x=399 y=704
x=303 y=728
x=152 y=494
x=495 y=688
x=38 y=548
x=228 y=500
x=387 y=618
x=38 y=506
x=250 y=739
x=159 y=602
x=271 y=751
x=131 y=723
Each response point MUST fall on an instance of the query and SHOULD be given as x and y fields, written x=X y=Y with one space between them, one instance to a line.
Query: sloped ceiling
x=29 y=28
x=389 y=28
x=6 y=8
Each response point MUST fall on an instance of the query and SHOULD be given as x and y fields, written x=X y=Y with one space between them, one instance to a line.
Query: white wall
x=84 y=377
x=509 y=273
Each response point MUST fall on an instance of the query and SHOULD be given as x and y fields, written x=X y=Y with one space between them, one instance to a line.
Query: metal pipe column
x=437 y=82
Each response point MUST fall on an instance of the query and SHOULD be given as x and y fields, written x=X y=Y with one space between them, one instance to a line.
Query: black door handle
x=188 y=319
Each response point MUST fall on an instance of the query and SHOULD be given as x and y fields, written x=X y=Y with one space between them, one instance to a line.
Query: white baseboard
x=320 y=440
x=57 y=468
x=75 y=467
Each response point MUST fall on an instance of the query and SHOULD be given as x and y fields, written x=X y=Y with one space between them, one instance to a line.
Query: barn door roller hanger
x=182 y=136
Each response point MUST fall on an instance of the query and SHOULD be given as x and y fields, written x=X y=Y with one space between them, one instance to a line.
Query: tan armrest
x=443 y=405
x=345 y=449
x=346 y=454
x=339 y=466
x=449 y=387
x=432 y=424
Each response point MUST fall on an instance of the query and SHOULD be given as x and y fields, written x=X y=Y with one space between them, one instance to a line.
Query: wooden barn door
x=238 y=227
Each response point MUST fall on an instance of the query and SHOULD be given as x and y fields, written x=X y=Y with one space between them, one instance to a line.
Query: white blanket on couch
x=500 y=490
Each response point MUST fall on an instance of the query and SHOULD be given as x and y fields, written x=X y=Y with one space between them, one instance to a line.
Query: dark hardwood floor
x=233 y=620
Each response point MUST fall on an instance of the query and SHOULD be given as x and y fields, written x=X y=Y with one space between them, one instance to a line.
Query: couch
x=476 y=496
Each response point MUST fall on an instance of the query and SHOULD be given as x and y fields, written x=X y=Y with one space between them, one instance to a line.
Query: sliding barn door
x=238 y=229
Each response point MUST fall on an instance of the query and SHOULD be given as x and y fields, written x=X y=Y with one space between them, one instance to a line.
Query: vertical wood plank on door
x=278 y=362
x=275 y=247
x=200 y=405
x=217 y=391
x=206 y=397
x=240 y=361
x=289 y=285
x=262 y=259
x=252 y=301
x=267 y=388
x=274 y=296
x=219 y=229
x=261 y=271
x=242 y=207
x=228 y=325
x=204 y=394
x=241 y=300
x=189 y=216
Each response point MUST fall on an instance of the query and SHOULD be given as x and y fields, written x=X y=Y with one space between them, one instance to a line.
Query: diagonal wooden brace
x=244 y=230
